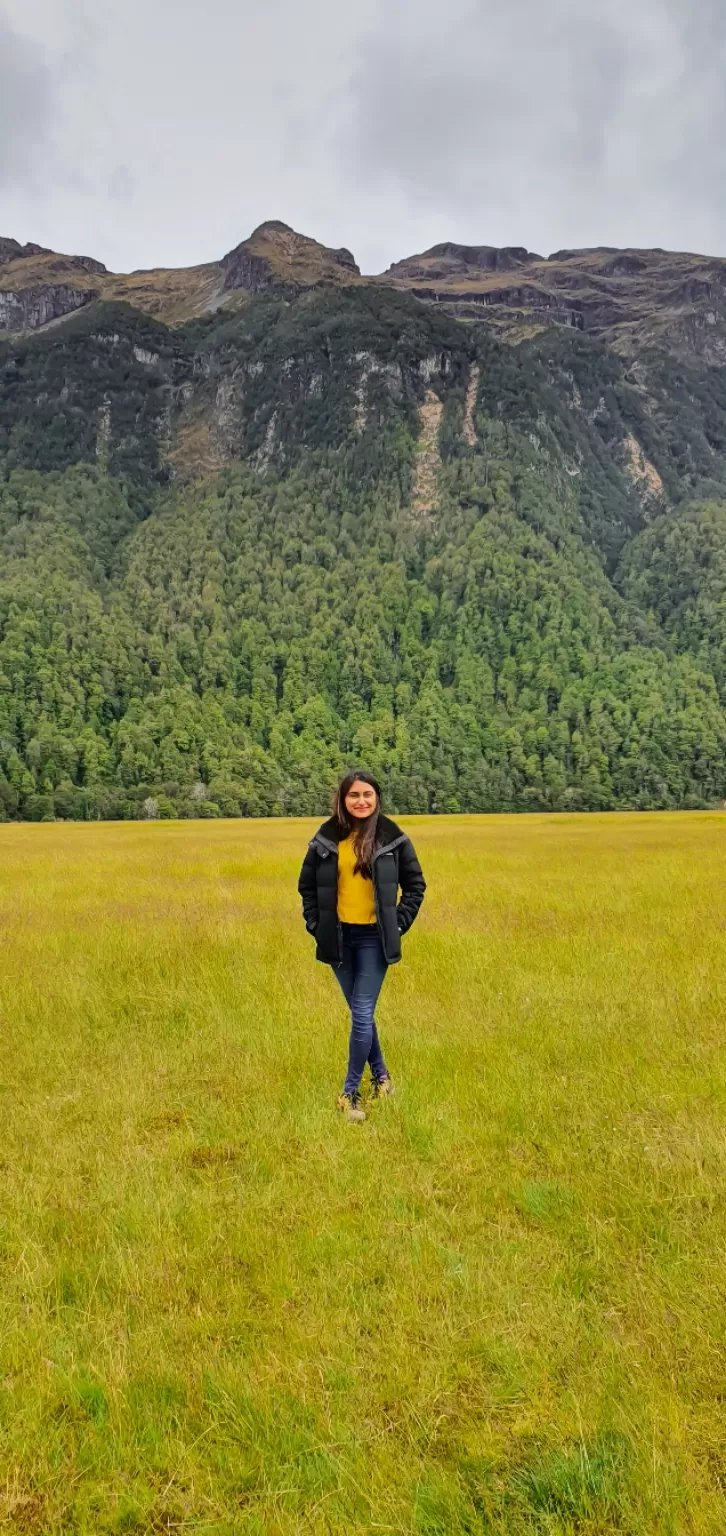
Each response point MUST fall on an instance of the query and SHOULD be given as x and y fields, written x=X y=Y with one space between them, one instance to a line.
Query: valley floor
x=496 y=1307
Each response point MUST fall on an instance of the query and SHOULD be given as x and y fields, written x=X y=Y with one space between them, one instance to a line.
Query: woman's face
x=360 y=800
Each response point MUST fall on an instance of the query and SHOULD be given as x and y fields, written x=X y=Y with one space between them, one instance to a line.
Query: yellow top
x=356 y=902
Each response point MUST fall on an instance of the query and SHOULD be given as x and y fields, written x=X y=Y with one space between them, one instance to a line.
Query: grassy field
x=499 y=1306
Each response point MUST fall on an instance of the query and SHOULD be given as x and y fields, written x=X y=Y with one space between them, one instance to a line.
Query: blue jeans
x=361 y=977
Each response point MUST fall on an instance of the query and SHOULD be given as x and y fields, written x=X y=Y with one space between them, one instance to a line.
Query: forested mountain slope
x=333 y=522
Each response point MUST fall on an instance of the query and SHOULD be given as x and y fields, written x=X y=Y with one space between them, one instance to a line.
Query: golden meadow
x=499 y=1306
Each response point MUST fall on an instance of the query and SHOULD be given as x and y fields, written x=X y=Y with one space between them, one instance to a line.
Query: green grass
x=498 y=1307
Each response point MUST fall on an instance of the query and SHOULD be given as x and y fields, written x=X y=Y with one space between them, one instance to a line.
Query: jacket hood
x=387 y=831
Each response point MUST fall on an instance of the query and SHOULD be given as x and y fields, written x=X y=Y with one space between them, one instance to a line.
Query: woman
x=349 y=885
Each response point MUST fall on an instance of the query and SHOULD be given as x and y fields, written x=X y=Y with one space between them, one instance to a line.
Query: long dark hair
x=364 y=832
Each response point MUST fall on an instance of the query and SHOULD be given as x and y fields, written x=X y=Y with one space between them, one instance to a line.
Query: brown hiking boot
x=383 y=1088
x=351 y=1105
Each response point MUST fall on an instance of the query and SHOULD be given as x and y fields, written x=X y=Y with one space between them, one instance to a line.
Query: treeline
x=228 y=654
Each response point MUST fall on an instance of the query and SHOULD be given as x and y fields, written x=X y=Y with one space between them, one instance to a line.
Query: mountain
x=629 y=299
x=465 y=522
x=38 y=286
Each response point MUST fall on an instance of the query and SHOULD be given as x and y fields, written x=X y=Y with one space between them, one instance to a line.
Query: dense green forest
x=219 y=584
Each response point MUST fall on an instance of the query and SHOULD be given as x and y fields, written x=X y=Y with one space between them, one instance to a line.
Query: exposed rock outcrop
x=30 y=308
x=12 y=250
x=643 y=474
x=472 y=391
x=450 y=260
x=428 y=460
x=279 y=261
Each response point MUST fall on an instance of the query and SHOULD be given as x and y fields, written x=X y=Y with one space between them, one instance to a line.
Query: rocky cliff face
x=28 y=309
x=340 y=366
x=37 y=286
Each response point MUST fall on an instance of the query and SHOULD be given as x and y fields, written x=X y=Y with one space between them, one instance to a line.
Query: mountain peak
x=12 y=250
x=276 y=259
x=450 y=260
x=274 y=227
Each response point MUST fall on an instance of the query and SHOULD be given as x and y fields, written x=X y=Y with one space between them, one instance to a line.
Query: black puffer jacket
x=394 y=865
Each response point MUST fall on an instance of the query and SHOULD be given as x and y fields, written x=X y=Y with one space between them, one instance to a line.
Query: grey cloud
x=121 y=184
x=693 y=114
x=438 y=109
x=26 y=103
x=562 y=120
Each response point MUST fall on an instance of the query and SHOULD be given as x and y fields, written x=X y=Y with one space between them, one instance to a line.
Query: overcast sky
x=160 y=132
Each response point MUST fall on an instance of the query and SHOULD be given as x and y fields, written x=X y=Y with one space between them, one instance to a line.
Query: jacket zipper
x=379 y=924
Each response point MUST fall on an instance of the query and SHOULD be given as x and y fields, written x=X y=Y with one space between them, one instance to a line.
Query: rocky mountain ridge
x=38 y=286
x=630 y=299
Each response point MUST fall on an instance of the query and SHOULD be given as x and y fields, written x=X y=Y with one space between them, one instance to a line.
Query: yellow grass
x=496 y=1307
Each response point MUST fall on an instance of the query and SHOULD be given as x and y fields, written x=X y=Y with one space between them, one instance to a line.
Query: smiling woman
x=353 y=871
